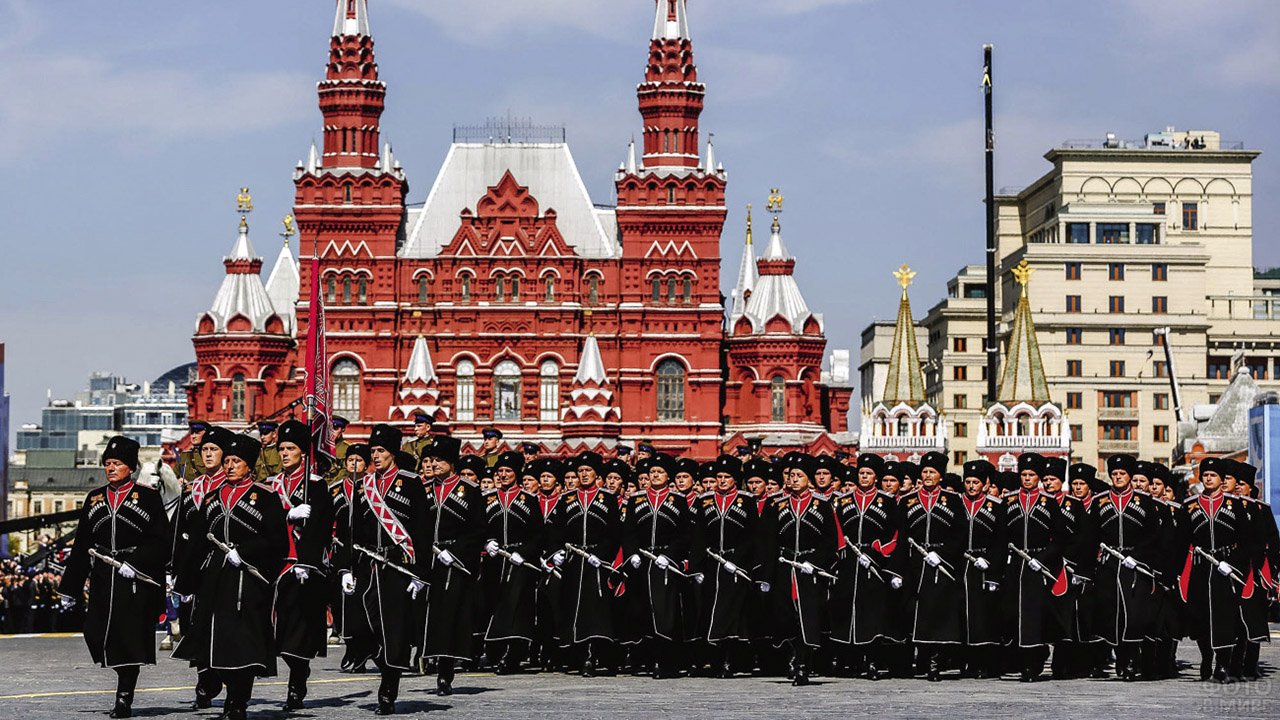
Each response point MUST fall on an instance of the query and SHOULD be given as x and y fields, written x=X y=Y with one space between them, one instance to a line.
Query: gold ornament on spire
x=289 y=229
x=244 y=201
x=775 y=207
x=1022 y=274
x=905 y=275
x=749 y=240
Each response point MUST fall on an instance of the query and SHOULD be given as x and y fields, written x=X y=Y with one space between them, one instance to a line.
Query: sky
x=127 y=128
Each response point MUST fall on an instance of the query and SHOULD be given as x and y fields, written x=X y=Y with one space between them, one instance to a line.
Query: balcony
x=901 y=442
x=1112 y=447
x=1031 y=442
x=1118 y=413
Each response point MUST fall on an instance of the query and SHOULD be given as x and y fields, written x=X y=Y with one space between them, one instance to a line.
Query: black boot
x=934 y=673
x=126 y=681
x=299 y=671
x=207 y=688
x=124 y=706
x=444 y=679
x=388 y=689
x=802 y=676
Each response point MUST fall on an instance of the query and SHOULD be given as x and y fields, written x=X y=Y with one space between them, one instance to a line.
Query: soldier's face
x=1157 y=487
x=587 y=477
x=684 y=481
x=469 y=474
x=116 y=471
x=505 y=477
x=355 y=465
x=1244 y=490
x=1120 y=479
x=1029 y=479
x=890 y=484
x=798 y=479
x=211 y=455
x=658 y=477
x=571 y=480
x=441 y=467
x=1141 y=482
x=974 y=486
x=1080 y=488
x=269 y=437
x=725 y=482
x=236 y=469
x=822 y=478
x=1211 y=481
x=930 y=477
x=547 y=481
x=383 y=459
x=489 y=444
x=1052 y=483
x=613 y=482
x=486 y=483
x=756 y=485
x=421 y=429
x=1228 y=484
x=866 y=478
x=290 y=455
x=529 y=483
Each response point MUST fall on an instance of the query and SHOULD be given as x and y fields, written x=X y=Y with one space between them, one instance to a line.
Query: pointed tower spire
x=671 y=97
x=420 y=389
x=671 y=22
x=591 y=411
x=242 y=293
x=631 y=166
x=747 y=276
x=351 y=96
x=776 y=293
x=905 y=383
x=710 y=165
x=284 y=281
x=1023 y=379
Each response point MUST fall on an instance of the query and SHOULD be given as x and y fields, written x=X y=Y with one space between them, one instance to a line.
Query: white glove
x=1225 y=568
x=68 y=602
x=635 y=561
x=446 y=558
x=233 y=557
x=764 y=587
x=594 y=561
x=348 y=583
x=864 y=560
x=806 y=567
x=990 y=586
x=558 y=558
x=698 y=579
x=1129 y=563
x=186 y=598
x=933 y=558
x=730 y=568
x=302 y=573
x=299 y=512
x=895 y=583
x=982 y=564
x=663 y=562
x=516 y=558
x=415 y=587
x=491 y=547
x=1035 y=565
x=127 y=572
x=170 y=581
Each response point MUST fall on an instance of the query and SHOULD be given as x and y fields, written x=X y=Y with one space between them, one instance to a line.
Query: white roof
x=547 y=169
x=778 y=294
x=242 y=293
x=421 y=368
x=282 y=288
x=591 y=366
x=747 y=277
x=667 y=26
x=355 y=22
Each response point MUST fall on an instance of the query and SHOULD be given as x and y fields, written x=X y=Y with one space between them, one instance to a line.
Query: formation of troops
x=421 y=558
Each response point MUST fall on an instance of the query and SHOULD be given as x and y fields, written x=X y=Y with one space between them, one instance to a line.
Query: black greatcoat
x=984 y=538
x=728 y=527
x=1079 y=554
x=1126 y=597
x=1222 y=527
x=1033 y=524
x=593 y=522
x=389 y=610
x=940 y=526
x=233 y=609
x=662 y=524
x=514 y=519
x=800 y=531
x=455 y=513
x=119 y=626
x=350 y=620
x=863 y=605
x=1256 y=601
x=301 y=625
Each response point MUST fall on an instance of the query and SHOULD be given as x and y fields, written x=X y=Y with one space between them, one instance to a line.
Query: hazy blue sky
x=126 y=128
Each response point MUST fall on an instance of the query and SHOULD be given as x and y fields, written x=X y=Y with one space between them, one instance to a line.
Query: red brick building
x=510 y=298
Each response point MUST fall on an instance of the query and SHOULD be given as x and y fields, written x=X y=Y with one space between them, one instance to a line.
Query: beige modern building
x=1126 y=239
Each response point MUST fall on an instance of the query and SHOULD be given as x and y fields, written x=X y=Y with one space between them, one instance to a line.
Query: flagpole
x=993 y=353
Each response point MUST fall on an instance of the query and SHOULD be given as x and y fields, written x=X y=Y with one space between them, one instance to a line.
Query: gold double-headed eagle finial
x=289 y=229
x=244 y=201
x=775 y=207
x=1022 y=274
x=905 y=275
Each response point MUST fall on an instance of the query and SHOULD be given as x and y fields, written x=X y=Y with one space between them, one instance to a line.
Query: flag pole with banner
x=317 y=386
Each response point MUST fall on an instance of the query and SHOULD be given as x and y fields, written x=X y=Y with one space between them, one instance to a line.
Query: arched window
x=363 y=285
x=238 y=397
x=778 y=397
x=657 y=289
x=465 y=391
x=549 y=391
x=593 y=290
x=671 y=378
x=346 y=291
x=346 y=193
x=499 y=288
x=424 y=290
x=506 y=391
x=466 y=288
x=904 y=428
x=332 y=289
x=551 y=289
x=515 y=288
x=671 y=290
x=346 y=388
x=686 y=292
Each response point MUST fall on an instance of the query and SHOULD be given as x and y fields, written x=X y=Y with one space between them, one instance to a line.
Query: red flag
x=317 y=389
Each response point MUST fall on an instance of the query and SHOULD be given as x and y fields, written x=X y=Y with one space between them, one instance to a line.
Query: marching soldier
x=383 y=560
x=422 y=437
x=657 y=530
x=269 y=461
x=933 y=527
x=491 y=439
x=586 y=527
x=549 y=472
x=865 y=600
x=190 y=465
x=727 y=528
x=300 y=601
x=800 y=539
x=1216 y=534
x=455 y=513
x=237 y=552
x=338 y=471
x=350 y=621
x=514 y=528
x=1127 y=527
x=187 y=521
x=120 y=547
x=1079 y=553
x=1033 y=527
x=1264 y=560
x=986 y=552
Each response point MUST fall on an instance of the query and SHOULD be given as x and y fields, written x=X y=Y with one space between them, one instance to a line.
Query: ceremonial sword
x=721 y=559
x=226 y=549
x=533 y=566
x=670 y=568
x=1141 y=569
x=925 y=551
x=386 y=562
x=1235 y=574
x=137 y=574
x=816 y=570
x=585 y=555
x=457 y=564
x=871 y=564
x=1023 y=554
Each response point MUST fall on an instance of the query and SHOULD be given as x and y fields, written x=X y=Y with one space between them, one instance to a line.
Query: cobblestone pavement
x=52 y=677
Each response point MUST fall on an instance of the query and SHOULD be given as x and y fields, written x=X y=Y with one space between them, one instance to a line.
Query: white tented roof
x=242 y=293
x=778 y=294
x=547 y=169
x=282 y=288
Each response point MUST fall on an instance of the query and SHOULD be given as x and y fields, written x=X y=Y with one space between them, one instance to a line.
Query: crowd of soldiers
x=29 y=601
x=653 y=564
